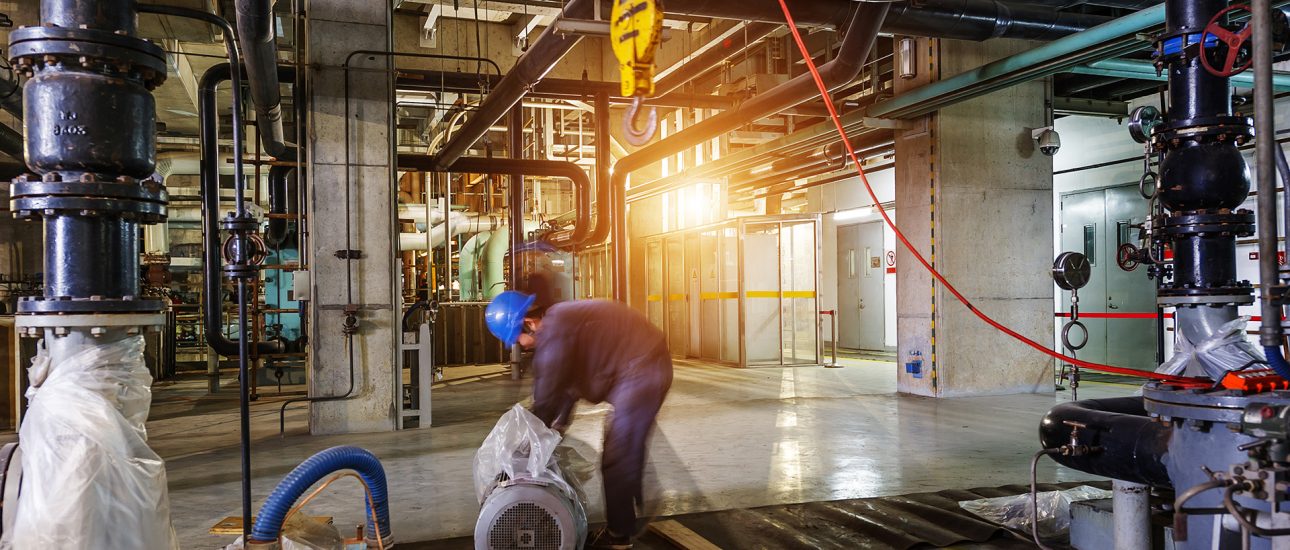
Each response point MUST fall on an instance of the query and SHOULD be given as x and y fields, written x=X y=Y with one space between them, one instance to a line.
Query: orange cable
x=846 y=142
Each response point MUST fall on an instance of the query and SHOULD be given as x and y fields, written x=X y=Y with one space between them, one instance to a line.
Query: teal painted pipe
x=1109 y=39
x=1144 y=70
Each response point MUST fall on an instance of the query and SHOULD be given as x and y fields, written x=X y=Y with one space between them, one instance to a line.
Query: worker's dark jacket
x=604 y=351
x=596 y=350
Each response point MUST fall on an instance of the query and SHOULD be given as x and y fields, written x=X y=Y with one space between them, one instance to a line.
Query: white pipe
x=418 y=213
x=458 y=224
x=468 y=268
x=184 y=163
x=495 y=258
x=1131 y=513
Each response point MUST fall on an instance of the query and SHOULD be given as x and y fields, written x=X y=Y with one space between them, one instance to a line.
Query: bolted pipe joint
x=90 y=123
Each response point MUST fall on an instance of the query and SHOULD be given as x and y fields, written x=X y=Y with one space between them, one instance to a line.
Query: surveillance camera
x=1047 y=140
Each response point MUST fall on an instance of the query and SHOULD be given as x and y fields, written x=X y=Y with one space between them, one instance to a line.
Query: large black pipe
x=11 y=96
x=283 y=199
x=857 y=42
x=11 y=142
x=212 y=264
x=1193 y=91
x=983 y=20
x=528 y=167
x=1130 y=445
x=116 y=16
x=255 y=36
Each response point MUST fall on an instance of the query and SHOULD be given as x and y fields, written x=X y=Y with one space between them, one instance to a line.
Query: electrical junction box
x=300 y=286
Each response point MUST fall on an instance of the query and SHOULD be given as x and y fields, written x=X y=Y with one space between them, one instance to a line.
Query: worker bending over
x=601 y=351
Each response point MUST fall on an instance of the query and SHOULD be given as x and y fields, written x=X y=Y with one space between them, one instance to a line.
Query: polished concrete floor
x=727 y=438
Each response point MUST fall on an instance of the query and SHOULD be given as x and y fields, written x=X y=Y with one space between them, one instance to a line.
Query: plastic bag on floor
x=1226 y=350
x=1014 y=512
x=89 y=478
x=520 y=446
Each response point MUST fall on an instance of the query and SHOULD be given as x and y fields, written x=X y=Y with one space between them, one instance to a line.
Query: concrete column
x=337 y=28
x=975 y=196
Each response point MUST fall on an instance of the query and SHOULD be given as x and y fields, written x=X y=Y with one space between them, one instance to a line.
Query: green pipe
x=1144 y=70
x=1109 y=39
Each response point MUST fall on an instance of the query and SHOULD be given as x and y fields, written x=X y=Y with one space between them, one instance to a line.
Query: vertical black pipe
x=1193 y=92
x=107 y=15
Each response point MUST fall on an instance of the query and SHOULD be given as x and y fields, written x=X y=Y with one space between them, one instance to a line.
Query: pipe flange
x=145 y=202
x=1238 y=129
x=1222 y=405
x=1182 y=300
x=33 y=325
x=37 y=305
x=1239 y=223
x=34 y=48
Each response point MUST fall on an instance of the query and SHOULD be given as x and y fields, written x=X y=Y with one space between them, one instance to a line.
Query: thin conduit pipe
x=243 y=339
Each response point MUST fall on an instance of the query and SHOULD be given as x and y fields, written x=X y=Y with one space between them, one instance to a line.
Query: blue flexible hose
x=268 y=524
x=1277 y=361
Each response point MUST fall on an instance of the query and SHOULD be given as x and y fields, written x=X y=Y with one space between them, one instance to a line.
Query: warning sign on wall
x=891 y=258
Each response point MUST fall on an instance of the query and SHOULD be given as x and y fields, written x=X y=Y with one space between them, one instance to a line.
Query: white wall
x=845 y=195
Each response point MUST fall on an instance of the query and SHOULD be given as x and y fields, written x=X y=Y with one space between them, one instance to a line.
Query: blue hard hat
x=505 y=315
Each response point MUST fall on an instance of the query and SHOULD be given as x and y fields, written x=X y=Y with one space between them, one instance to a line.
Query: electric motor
x=530 y=514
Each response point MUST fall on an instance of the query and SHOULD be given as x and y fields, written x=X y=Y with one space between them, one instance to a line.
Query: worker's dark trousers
x=636 y=402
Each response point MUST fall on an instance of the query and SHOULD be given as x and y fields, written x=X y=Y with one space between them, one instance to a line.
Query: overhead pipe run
x=529 y=69
x=1110 y=39
x=694 y=67
x=962 y=19
x=983 y=20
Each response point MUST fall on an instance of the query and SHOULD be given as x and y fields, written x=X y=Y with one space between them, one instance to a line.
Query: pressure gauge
x=1141 y=121
x=1071 y=270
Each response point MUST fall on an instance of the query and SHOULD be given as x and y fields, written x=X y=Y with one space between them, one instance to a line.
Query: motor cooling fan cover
x=530 y=515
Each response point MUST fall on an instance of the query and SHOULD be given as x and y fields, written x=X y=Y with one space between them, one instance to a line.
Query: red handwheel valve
x=1239 y=54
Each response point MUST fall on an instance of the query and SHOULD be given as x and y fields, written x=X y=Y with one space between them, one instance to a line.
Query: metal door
x=678 y=313
x=1130 y=296
x=1118 y=306
x=1083 y=218
x=861 y=297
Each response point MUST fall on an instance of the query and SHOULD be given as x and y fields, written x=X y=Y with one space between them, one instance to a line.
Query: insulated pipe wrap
x=268 y=524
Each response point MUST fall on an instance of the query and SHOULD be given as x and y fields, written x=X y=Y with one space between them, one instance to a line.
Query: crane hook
x=634 y=136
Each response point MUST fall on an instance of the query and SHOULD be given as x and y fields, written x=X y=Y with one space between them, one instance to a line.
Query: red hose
x=846 y=142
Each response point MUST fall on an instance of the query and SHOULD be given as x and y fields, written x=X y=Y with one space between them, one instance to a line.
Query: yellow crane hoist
x=636 y=29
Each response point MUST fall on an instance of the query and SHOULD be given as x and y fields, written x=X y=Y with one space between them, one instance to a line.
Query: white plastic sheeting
x=1017 y=512
x=1226 y=350
x=90 y=481
x=519 y=447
